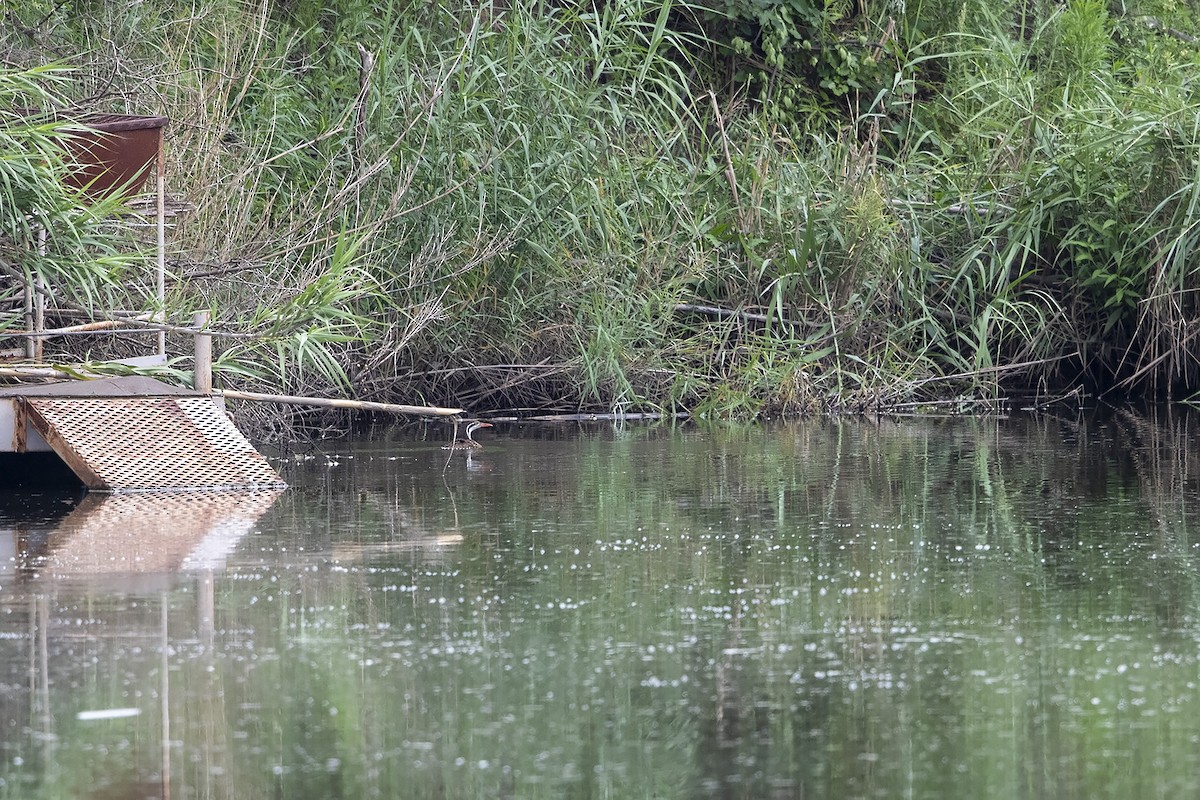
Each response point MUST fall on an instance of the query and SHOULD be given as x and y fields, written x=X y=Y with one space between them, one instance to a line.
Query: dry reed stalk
x=327 y=402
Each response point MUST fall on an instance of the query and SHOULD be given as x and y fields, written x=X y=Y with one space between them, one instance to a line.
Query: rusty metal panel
x=121 y=444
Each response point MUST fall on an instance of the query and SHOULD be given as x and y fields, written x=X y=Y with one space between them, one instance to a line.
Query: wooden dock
x=133 y=434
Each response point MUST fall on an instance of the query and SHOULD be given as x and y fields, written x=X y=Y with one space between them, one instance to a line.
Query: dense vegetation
x=732 y=208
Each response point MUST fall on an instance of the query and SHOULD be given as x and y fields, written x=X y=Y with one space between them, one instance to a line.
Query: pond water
x=922 y=608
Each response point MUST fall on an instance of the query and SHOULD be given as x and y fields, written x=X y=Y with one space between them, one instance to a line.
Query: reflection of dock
x=132 y=434
x=150 y=533
x=147 y=544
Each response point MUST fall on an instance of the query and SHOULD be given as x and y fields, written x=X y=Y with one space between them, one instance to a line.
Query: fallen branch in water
x=330 y=402
x=630 y=417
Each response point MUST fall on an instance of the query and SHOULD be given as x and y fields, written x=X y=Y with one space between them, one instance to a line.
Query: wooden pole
x=35 y=305
x=160 y=284
x=39 y=300
x=327 y=402
x=202 y=382
x=31 y=342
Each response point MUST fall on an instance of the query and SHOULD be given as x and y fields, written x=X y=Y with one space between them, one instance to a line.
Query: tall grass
x=1075 y=172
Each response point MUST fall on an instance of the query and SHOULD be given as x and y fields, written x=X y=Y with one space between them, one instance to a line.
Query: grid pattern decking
x=121 y=444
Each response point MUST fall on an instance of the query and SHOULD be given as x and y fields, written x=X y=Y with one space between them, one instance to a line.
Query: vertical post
x=203 y=360
x=160 y=284
x=30 y=341
x=35 y=304
x=39 y=300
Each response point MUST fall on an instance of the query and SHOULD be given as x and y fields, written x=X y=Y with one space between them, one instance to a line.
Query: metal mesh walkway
x=121 y=444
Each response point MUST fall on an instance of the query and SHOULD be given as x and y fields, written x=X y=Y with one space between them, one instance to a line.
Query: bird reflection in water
x=469 y=446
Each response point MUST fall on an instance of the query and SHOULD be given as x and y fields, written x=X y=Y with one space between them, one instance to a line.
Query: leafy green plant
x=800 y=60
x=52 y=240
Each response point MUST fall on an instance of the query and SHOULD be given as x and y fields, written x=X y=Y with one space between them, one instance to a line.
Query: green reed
x=47 y=232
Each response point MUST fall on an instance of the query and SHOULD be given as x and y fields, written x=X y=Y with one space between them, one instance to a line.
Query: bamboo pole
x=20 y=371
x=328 y=402
x=87 y=327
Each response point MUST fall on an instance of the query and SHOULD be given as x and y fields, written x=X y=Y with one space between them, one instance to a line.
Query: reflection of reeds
x=1160 y=442
x=828 y=607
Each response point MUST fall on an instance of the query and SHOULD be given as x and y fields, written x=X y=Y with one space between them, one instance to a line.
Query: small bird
x=468 y=442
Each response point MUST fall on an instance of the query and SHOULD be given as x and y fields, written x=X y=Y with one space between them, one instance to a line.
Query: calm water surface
x=935 y=608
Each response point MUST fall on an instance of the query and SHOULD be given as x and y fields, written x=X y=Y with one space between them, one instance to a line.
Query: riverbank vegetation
x=730 y=209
